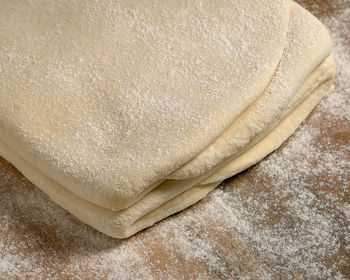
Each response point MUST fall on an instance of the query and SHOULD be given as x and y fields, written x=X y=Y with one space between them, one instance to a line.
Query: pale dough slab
x=296 y=74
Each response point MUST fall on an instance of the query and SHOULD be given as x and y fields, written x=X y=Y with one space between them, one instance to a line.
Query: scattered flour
x=270 y=221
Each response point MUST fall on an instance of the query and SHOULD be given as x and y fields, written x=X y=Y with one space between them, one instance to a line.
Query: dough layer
x=124 y=127
x=165 y=199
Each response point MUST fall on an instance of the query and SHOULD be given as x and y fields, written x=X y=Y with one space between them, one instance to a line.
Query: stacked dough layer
x=125 y=113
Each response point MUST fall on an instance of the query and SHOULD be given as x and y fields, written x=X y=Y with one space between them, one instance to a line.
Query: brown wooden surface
x=285 y=218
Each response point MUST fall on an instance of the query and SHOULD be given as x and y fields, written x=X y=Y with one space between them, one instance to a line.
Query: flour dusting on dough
x=298 y=229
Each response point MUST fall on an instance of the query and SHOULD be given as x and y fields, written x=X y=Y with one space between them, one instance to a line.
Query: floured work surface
x=287 y=216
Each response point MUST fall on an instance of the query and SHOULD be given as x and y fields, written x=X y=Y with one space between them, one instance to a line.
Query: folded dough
x=125 y=113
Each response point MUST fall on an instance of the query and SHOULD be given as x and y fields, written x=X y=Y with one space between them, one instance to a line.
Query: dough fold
x=125 y=113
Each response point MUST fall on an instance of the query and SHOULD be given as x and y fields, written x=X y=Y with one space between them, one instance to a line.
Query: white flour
x=273 y=221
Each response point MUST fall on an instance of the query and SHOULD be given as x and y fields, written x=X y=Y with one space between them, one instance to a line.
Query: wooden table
x=287 y=217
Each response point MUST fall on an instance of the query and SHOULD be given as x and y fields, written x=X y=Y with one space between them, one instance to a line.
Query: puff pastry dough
x=126 y=112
